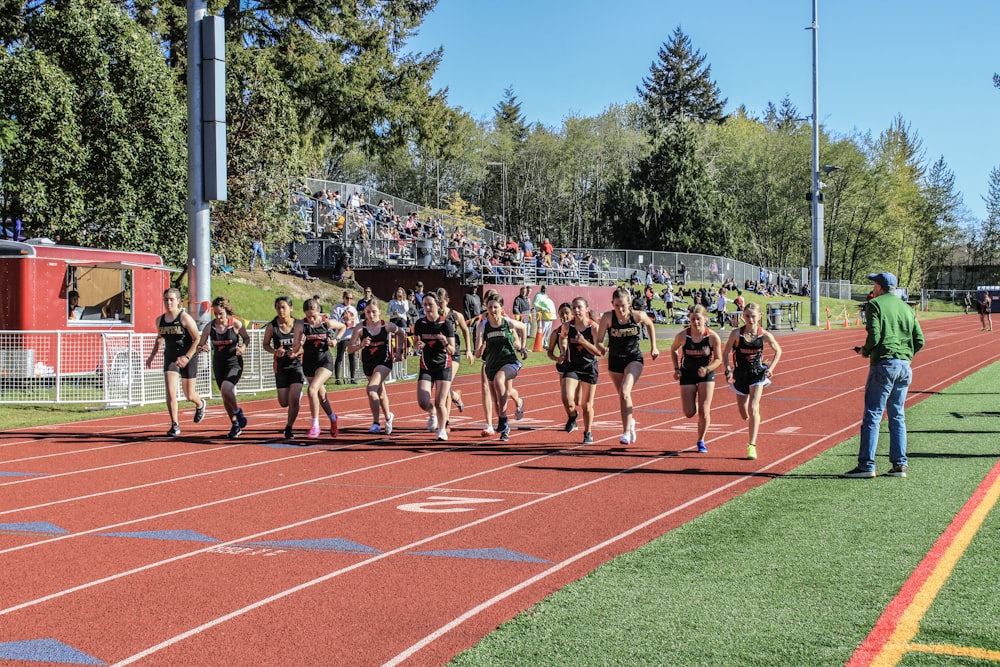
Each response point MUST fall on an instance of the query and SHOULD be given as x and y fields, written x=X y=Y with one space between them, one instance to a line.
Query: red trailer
x=118 y=293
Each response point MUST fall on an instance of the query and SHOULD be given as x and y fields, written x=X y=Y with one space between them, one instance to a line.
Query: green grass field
x=795 y=572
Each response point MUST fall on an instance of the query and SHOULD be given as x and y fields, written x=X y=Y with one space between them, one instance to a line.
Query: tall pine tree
x=679 y=84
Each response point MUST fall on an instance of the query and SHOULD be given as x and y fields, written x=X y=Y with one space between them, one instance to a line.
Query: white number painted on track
x=446 y=504
x=789 y=429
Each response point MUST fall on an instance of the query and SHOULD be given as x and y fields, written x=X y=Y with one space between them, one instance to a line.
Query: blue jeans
x=888 y=382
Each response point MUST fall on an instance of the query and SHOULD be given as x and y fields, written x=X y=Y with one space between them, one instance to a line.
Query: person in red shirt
x=546 y=247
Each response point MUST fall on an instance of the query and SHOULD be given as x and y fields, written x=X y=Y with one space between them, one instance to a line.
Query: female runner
x=179 y=334
x=496 y=345
x=458 y=324
x=623 y=327
x=750 y=374
x=697 y=352
x=372 y=338
x=579 y=374
x=318 y=332
x=434 y=339
x=283 y=339
x=569 y=399
x=229 y=338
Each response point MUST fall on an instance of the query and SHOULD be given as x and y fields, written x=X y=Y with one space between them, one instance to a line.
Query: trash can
x=774 y=316
x=425 y=253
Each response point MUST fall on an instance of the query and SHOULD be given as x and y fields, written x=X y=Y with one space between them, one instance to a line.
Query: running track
x=120 y=546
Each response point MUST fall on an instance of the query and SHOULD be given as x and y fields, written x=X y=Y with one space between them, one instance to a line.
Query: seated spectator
x=296 y=269
x=342 y=269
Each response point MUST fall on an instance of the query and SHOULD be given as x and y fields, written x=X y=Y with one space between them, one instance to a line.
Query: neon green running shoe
x=751 y=451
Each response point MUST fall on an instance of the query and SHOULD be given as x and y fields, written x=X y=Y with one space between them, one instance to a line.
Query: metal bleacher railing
x=381 y=233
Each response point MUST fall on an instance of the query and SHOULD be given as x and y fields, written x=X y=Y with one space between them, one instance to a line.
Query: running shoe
x=288 y=433
x=175 y=430
x=588 y=438
x=241 y=418
x=388 y=423
x=626 y=438
x=702 y=449
x=488 y=430
x=375 y=428
x=519 y=413
x=751 y=451
x=235 y=431
x=199 y=412
x=314 y=431
x=432 y=422
x=442 y=434
x=457 y=400
x=571 y=424
x=859 y=473
x=505 y=434
x=334 y=426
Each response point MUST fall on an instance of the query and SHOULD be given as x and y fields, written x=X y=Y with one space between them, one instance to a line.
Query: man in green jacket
x=894 y=336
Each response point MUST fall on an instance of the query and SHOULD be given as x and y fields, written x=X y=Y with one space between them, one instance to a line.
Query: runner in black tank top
x=434 y=339
x=178 y=334
x=283 y=339
x=228 y=339
x=373 y=338
x=577 y=337
x=750 y=373
x=318 y=334
x=697 y=352
x=623 y=326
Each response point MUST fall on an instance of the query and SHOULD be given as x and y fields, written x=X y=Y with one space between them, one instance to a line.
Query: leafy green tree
x=119 y=148
x=679 y=84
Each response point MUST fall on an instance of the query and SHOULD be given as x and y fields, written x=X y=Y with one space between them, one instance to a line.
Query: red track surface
x=84 y=507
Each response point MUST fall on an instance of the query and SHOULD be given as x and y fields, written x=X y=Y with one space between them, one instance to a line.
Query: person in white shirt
x=345 y=313
x=545 y=308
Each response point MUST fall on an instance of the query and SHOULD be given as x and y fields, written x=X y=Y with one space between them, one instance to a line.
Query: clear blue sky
x=930 y=61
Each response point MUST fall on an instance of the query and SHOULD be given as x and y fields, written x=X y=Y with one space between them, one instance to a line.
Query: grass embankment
x=795 y=572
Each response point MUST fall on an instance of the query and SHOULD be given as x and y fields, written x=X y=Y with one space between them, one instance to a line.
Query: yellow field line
x=957 y=651
x=909 y=623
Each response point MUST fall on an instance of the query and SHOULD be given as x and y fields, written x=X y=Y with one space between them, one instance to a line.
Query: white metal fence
x=110 y=368
x=107 y=368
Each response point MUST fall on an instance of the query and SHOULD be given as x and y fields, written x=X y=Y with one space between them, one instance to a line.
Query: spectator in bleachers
x=546 y=247
x=527 y=248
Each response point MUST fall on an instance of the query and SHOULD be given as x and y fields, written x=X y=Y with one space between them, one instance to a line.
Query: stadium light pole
x=817 y=196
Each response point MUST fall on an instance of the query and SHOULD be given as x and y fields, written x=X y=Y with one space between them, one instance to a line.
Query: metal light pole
x=817 y=196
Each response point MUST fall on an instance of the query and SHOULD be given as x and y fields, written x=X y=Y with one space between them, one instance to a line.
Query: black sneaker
x=175 y=430
x=897 y=471
x=288 y=433
x=505 y=435
x=571 y=424
x=859 y=473
x=241 y=418
x=588 y=438
x=235 y=431
x=199 y=412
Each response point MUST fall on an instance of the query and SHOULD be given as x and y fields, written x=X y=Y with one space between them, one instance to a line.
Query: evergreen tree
x=671 y=199
x=680 y=85
x=508 y=119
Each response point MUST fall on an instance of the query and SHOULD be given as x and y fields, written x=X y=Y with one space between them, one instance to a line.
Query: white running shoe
x=388 y=423
x=442 y=434
x=488 y=430
x=519 y=413
x=626 y=438
x=432 y=422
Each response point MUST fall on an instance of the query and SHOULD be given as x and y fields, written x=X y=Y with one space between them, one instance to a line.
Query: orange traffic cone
x=828 y=325
x=857 y=321
x=847 y=322
x=538 y=339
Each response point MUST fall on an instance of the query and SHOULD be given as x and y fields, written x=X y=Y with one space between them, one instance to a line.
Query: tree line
x=93 y=148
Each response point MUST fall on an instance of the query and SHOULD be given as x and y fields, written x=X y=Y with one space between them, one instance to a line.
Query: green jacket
x=893 y=330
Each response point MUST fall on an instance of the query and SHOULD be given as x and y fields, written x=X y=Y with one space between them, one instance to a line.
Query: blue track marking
x=33 y=527
x=46 y=650
x=493 y=553
x=177 y=535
